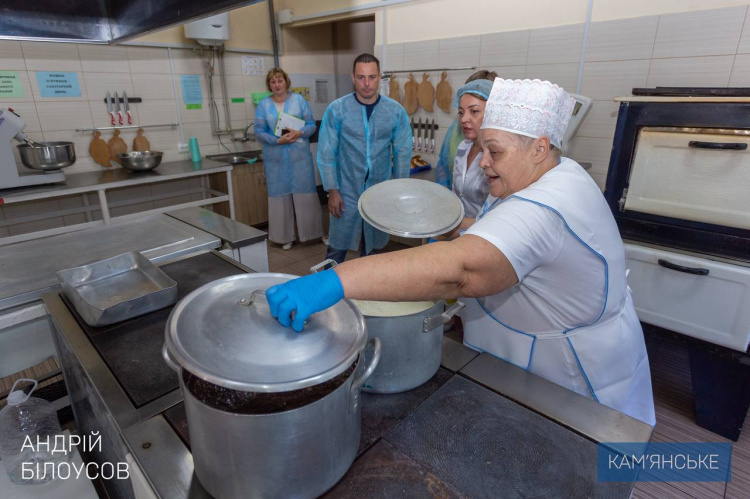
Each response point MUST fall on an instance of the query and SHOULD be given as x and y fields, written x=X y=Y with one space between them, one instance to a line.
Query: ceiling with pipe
x=101 y=21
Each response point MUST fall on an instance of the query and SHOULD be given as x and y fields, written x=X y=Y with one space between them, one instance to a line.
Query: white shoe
x=287 y=246
x=324 y=239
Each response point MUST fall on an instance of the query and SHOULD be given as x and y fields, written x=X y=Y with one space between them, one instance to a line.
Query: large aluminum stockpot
x=411 y=335
x=271 y=412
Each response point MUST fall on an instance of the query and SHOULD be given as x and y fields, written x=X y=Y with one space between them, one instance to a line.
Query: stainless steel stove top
x=478 y=427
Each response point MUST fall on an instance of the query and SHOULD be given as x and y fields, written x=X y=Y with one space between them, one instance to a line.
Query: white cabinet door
x=713 y=307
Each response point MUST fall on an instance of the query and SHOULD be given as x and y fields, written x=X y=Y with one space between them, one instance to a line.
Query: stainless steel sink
x=235 y=158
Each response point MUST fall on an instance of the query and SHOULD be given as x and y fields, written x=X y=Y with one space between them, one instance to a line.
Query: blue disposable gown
x=289 y=167
x=444 y=169
x=355 y=153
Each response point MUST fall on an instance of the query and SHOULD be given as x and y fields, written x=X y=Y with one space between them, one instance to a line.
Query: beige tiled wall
x=705 y=48
x=141 y=72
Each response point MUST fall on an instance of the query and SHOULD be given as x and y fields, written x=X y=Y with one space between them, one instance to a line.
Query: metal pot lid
x=410 y=207
x=236 y=344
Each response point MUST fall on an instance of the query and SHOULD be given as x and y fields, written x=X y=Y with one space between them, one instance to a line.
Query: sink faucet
x=245 y=136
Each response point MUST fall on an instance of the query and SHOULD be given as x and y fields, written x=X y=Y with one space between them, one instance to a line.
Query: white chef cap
x=529 y=107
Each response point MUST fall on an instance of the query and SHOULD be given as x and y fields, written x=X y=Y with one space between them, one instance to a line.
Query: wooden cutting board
x=99 y=150
x=117 y=146
x=426 y=94
x=141 y=143
x=393 y=90
x=410 y=95
x=444 y=93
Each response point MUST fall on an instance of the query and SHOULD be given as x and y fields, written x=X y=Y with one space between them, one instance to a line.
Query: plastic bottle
x=195 y=151
x=25 y=422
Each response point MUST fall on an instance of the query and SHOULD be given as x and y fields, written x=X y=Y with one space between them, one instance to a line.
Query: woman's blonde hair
x=273 y=73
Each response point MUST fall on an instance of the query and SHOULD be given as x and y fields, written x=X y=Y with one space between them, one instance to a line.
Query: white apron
x=606 y=359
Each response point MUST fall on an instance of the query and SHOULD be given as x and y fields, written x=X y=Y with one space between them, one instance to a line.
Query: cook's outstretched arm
x=467 y=266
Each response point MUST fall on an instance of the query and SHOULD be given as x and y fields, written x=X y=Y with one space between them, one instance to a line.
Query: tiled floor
x=675 y=422
x=670 y=372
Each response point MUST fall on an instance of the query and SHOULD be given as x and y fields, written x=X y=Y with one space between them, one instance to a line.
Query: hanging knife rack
x=131 y=100
x=425 y=126
x=428 y=70
x=123 y=127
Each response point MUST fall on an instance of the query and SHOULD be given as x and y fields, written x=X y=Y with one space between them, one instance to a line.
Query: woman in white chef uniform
x=543 y=264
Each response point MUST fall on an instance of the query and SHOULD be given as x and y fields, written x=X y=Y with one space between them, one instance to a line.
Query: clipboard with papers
x=287 y=121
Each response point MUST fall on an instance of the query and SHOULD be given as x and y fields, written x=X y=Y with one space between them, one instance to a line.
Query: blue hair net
x=480 y=88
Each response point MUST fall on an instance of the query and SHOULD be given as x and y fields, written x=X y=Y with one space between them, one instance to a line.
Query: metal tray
x=118 y=288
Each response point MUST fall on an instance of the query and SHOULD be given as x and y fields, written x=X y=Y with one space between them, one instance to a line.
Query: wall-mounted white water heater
x=213 y=30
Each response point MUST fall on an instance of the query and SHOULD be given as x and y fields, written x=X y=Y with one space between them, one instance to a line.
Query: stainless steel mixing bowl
x=48 y=155
x=140 y=161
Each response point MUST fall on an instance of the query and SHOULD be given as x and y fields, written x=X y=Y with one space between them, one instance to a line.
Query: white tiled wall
x=141 y=72
x=704 y=48
x=688 y=49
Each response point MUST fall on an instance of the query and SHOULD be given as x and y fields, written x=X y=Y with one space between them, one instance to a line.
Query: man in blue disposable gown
x=365 y=138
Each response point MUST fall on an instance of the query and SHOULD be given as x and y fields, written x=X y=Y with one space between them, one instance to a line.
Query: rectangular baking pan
x=118 y=288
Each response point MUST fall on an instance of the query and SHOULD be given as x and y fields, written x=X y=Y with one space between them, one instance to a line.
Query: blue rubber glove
x=305 y=295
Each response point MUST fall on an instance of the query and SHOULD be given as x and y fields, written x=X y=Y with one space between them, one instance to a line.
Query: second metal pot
x=412 y=343
x=412 y=347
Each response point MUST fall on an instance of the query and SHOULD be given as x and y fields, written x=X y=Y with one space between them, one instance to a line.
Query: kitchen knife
x=117 y=107
x=126 y=106
x=432 y=137
x=109 y=109
x=413 y=132
x=419 y=135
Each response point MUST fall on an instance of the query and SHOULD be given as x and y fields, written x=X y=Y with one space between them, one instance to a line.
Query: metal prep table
x=241 y=242
x=479 y=427
x=108 y=181
x=29 y=269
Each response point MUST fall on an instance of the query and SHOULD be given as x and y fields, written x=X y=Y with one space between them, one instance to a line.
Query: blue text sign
x=58 y=84
x=191 y=89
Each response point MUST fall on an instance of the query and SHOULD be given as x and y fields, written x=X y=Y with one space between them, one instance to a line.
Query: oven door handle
x=731 y=146
x=681 y=268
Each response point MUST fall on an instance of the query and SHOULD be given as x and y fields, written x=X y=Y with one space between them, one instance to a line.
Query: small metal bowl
x=48 y=156
x=140 y=161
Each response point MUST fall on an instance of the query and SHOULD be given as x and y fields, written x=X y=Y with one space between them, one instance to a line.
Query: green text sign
x=10 y=85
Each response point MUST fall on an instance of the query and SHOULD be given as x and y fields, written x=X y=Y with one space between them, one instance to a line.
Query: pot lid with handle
x=409 y=207
x=223 y=332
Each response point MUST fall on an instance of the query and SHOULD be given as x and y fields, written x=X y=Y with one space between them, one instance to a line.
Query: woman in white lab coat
x=469 y=182
x=542 y=267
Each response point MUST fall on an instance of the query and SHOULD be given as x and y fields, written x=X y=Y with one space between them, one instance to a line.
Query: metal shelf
x=123 y=127
x=429 y=70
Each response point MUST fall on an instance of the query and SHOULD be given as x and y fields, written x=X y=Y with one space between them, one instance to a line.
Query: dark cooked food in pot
x=240 y=402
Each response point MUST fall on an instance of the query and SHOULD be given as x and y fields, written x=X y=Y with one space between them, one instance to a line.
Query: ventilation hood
x=101 y=21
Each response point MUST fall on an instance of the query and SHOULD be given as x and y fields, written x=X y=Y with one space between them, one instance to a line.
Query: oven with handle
x=673 y=216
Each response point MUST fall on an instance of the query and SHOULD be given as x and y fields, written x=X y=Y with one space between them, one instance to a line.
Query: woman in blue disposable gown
x=288 y=164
